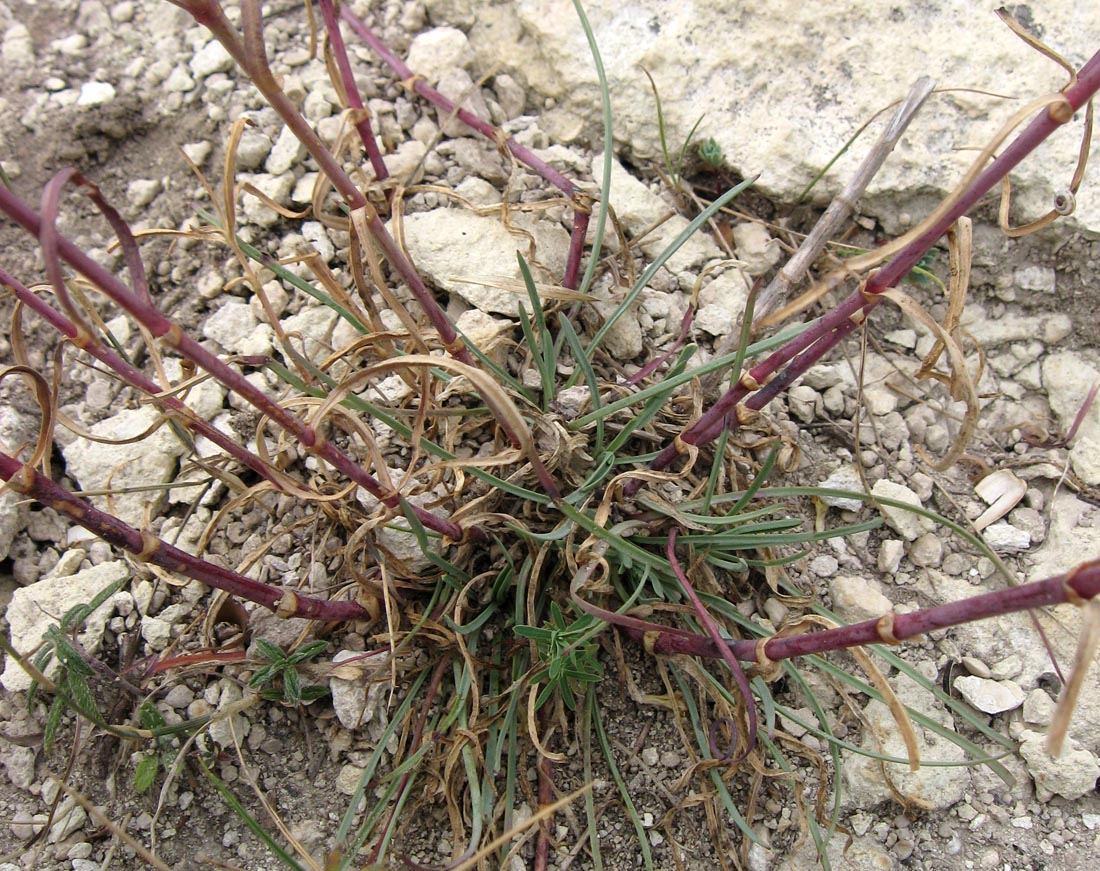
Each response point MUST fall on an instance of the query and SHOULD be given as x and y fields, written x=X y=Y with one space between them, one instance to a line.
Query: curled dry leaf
x=1002 y=491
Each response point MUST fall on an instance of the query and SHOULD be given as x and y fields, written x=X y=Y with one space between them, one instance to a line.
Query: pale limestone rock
x=990 y=696
x=1039 y=707
x=95 y=94
x=232 y=729
x=755 y=247
x=1011 y=327
x=1068 y=376
x=30 y=610
x=276 y=187
x=889 y=555
x=231 y=325
x=907 y=524
x=358 y=703
x=253 y=149
x=843 y=478
x=348 y=779
x=434 y=52
x=1004 y=536
x=475 y=256
x=211 y=58
x=458 y=87
x=150 y=460
x=1070 y=775
x=286 y=153
x=486 y=332
x=861 y=854
x=639 y=209
x=931 y=788
x=856 y=599
x=754 y=77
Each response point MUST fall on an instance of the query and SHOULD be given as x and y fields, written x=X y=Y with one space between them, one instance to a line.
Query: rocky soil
x=119 y=89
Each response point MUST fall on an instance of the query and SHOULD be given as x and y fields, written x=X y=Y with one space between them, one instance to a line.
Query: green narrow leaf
x=624 y=792
x=145 y=773
x=288 y=276
x=264 y=676
x=70 y=657
x=608 y=153
x=662 y=258
x=292 y=687
x=580 y=358
x=546 y=353
x=76 y=615
x=532 y=343
x=250 y=821
x=312 y=692
x=53 y=720
x=654 y=405
x=307 y=651
x=82 y=697
x=715 y=469
x=269 y=651
x=685 y=146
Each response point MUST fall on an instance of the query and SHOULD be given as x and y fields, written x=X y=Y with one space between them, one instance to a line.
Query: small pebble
x=889 y=555
x=926 y=551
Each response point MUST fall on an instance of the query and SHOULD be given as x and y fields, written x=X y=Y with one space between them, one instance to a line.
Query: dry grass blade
x=102 y=819
x=960 y=240
x=1064 y=200
x=44 y=398
x=897 y=709
x=962 y=384
x=500 y=404
x=543 y=813
x=840 y=208
x=1086 y=651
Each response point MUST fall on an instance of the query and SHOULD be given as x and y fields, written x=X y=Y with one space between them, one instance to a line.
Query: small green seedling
x=164 y=756
x=279 y=680
x=568 y=651
x=72 y=688
x=710 y=152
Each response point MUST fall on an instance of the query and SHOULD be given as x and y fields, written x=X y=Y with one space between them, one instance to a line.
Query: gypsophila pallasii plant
x=509 y=514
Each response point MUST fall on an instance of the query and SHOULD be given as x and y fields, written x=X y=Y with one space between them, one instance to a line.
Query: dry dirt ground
x=302 y=758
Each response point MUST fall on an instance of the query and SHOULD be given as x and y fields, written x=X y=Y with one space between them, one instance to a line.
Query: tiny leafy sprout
x=145 y=773
x=568 y=652
x=73 y=689
x=279 y=681
x=710 y=152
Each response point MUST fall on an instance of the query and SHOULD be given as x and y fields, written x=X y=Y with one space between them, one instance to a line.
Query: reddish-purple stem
x=340 y=55
x=251 y=55
x=494 y=134
x=162 y=328
x=178 y=410
x=148 y=548
x=820 y=338
x=1076 y=586
x=715 y=634
x=653 y=365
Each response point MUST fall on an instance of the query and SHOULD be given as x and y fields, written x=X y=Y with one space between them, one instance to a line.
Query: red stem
x=148 y=548
x=251 y=56
x=830 y=329
x=494 y=134
x=339 y=53
x=1080 y=584
x=162 y=328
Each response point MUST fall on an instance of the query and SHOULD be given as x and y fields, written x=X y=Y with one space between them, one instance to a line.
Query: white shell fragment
x=1002 y=491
